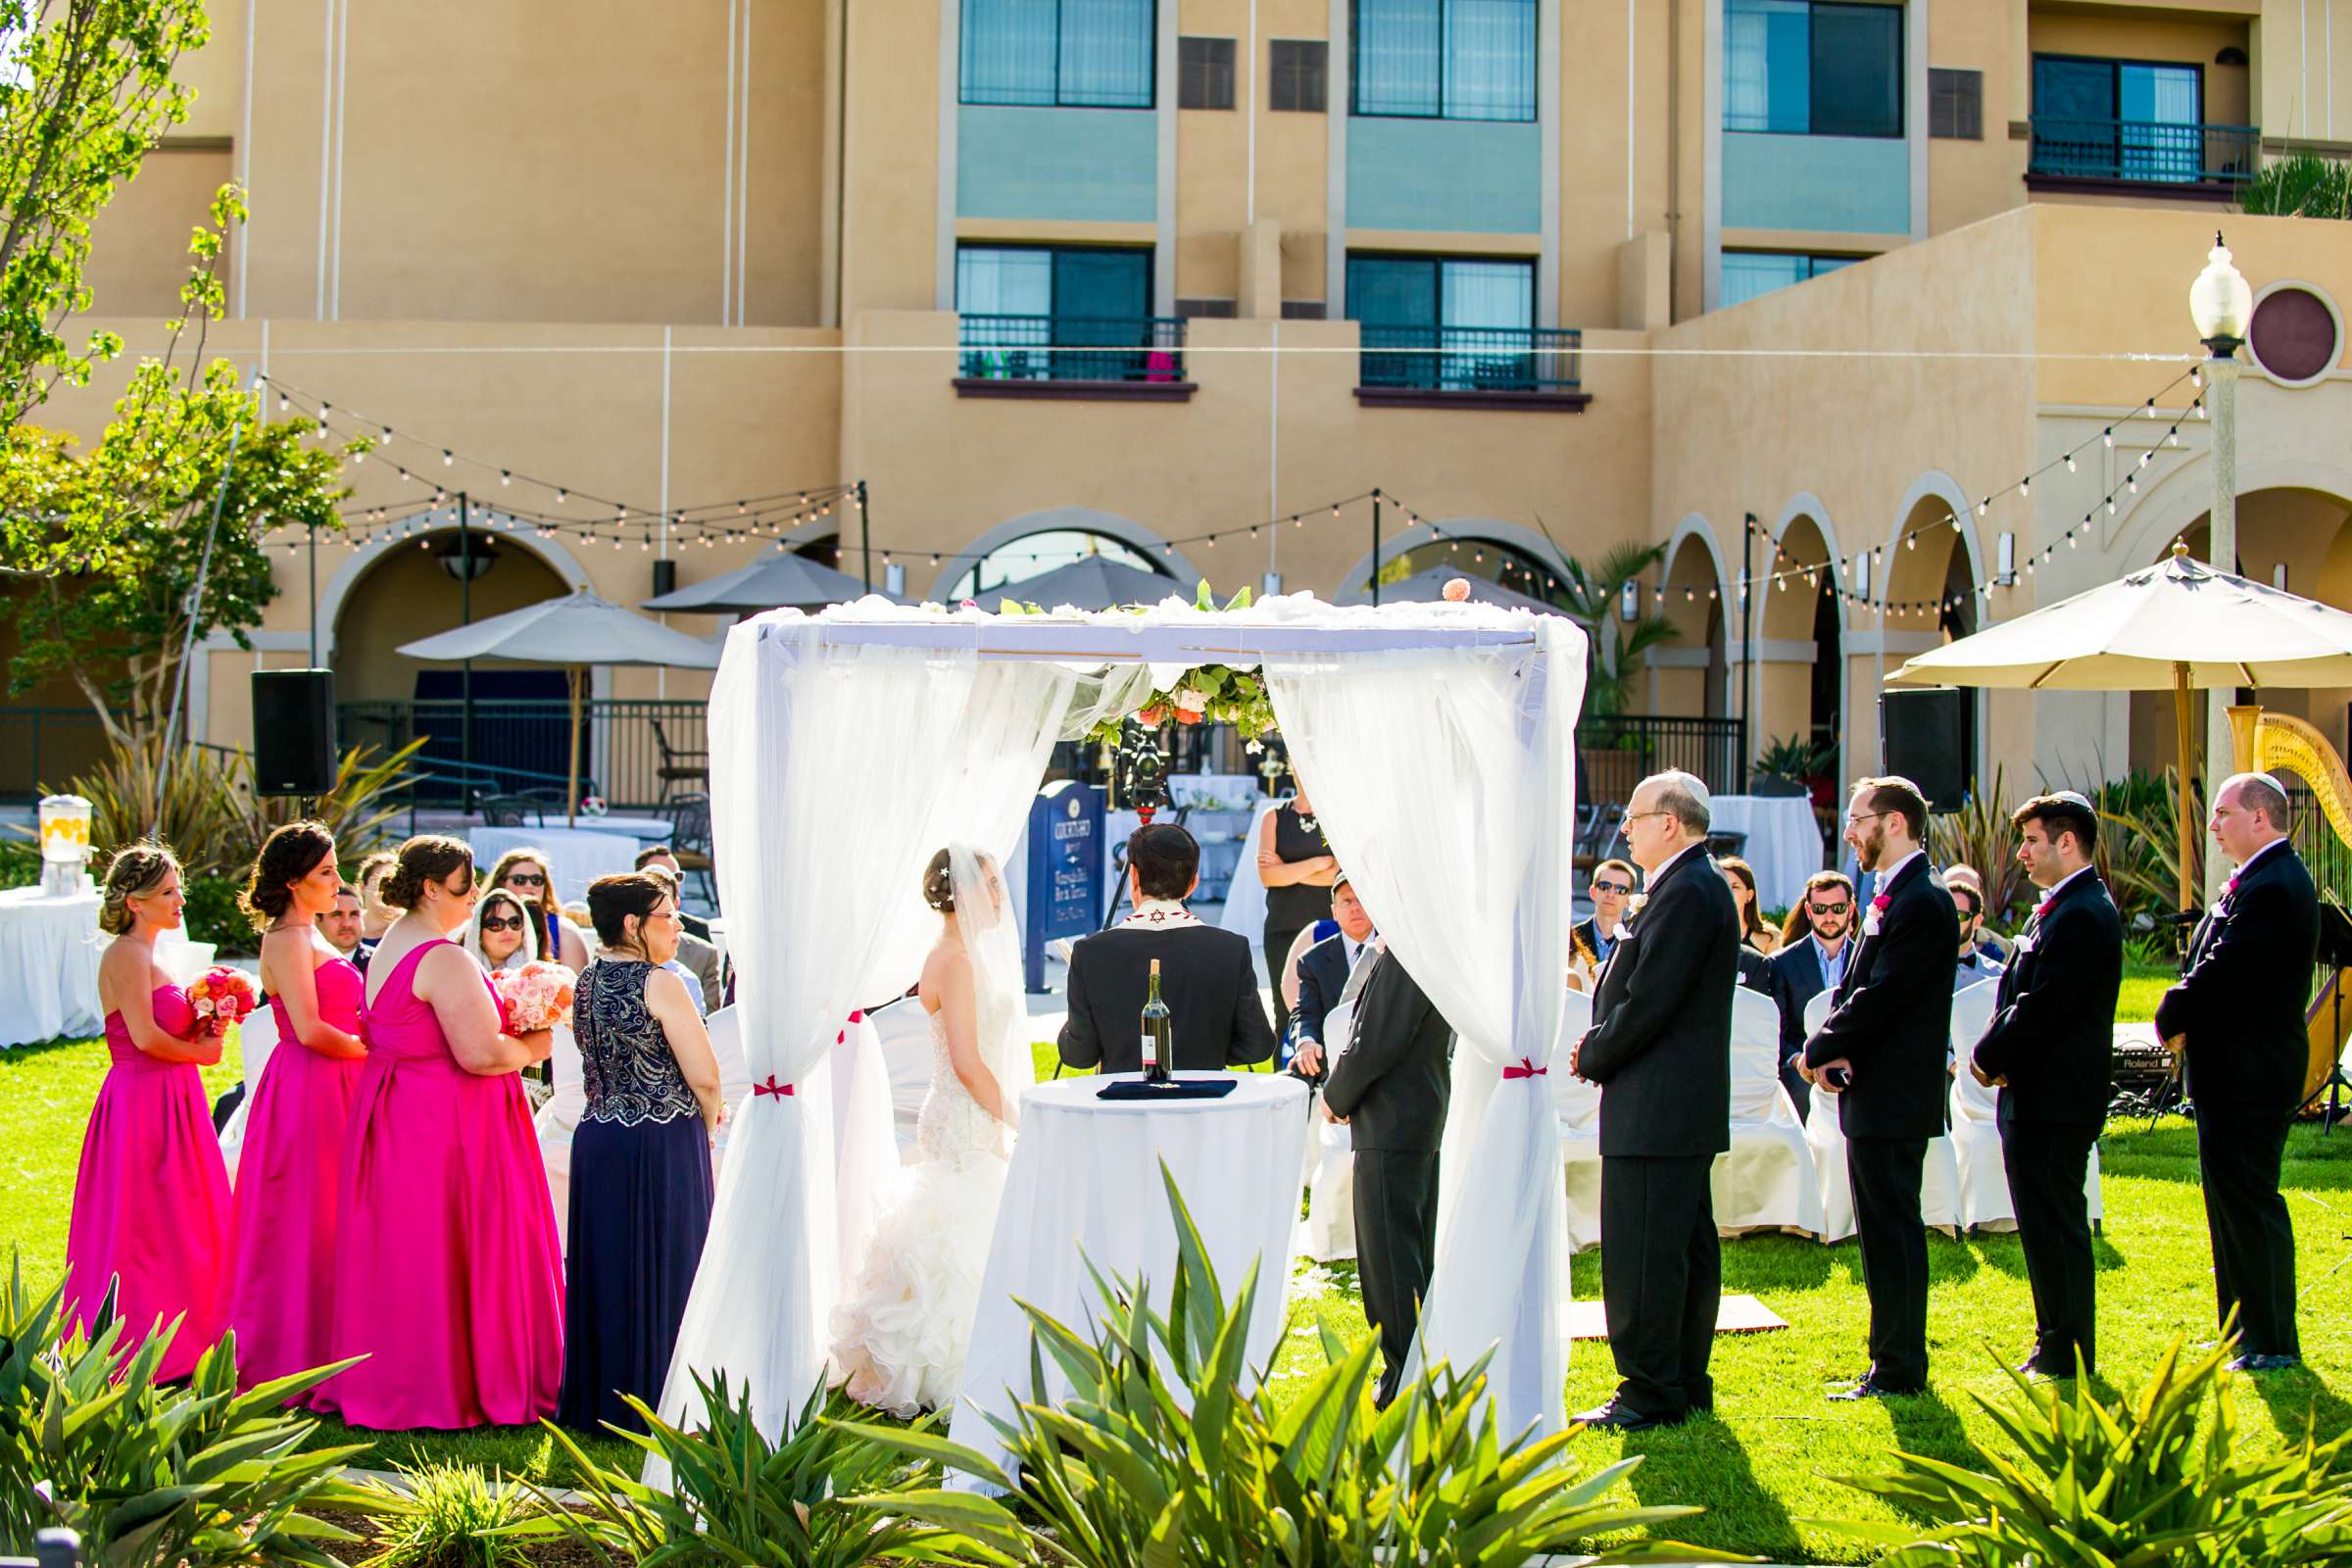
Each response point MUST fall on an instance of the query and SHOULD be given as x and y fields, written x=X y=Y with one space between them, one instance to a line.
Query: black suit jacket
x=1793 y=976
x=1660 y=1044
x=2052 y=1033
x=1206 y=977
x=1322 y=976
x=1894 y=1015
x=1393 y=1082
x=2241 y=1000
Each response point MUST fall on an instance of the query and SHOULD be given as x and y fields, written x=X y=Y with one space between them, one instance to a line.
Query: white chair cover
x=902 y=1031
x=1578 y=1106
x=1328 y=1231
x=257 y=1040
x=1765 y=1180
x=1939 y=1175
x=553 y=1123
x=1976 y=1135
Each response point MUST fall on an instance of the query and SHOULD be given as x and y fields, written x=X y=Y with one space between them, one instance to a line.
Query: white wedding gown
x=906 y=1321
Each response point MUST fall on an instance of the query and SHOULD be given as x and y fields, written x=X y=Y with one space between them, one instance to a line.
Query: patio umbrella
x=2179 y=624
x=778 y=581
x=1096 y=582
x=576 y=631
x=1428 y=587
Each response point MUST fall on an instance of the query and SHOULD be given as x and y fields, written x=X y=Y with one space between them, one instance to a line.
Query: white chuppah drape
x=837 y=770
x=1444 y=778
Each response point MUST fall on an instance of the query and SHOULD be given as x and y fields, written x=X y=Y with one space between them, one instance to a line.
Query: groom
x=1205 y=975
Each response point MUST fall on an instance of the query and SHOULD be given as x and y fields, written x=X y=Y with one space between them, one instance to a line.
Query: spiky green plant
x=454 y=1516
x=2302 y=185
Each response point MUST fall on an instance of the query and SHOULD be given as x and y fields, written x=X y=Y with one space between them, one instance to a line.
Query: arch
x=337 y=592
x=1693 y=673
x=2185 y=494
x=1935 y=485
x=1694 y=525
x=1814 y=616
x=1065 y=519
x=1527 y=541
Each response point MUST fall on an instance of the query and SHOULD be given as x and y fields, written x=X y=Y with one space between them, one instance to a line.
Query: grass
x=1764 y=1465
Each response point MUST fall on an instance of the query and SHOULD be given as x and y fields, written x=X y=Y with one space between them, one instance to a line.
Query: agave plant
x=1164 y=1452
x=2302 y=185
x=2143 y=852
x=1979 y=835
x=190 y=1476
x=2124 y=1485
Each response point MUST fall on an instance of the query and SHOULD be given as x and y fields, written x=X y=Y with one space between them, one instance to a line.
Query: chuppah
x=1436 y=741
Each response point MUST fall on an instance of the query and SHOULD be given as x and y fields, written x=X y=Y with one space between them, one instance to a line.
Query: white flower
x=1190 y=700
x=1633 y=905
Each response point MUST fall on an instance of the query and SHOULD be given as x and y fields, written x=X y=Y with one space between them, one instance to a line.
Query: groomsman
x=1660 y=1048
x=2240 y=1006
x=1883 y=1047
x=2048 y=1047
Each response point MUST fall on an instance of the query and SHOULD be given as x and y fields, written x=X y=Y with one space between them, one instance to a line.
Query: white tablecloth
x=1784 y=842
x=578 y=854
x=1085 y=1183
x=49 y=951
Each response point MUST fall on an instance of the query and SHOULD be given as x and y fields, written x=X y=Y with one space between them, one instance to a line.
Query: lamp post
x=2221 y=305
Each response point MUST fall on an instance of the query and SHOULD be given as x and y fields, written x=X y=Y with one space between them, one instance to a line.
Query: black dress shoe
x=1871 y=1388
x=1618 y=1416
x=2258 y=1362
x=2034 y=1370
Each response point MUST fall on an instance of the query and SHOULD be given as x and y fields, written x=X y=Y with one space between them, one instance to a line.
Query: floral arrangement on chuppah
x=1205 y=694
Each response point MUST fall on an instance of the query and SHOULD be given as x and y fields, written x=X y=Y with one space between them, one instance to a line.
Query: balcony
x=1137 y=357
x=1472 y=366
x=2142 y=157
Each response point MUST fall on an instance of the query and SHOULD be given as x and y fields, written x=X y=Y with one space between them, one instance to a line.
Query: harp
x=2274 y=743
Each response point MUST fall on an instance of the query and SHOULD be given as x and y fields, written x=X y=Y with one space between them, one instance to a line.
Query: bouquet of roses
x=221 y=993
x=535 y=996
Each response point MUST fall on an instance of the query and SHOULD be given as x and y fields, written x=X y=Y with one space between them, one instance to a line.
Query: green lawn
x=1763 y=1465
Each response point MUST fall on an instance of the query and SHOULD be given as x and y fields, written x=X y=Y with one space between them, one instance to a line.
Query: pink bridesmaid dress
x=447 y=1276
x=151 y=1204
x=282 y=1260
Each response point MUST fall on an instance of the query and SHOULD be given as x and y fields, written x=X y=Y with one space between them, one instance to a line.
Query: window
x=1444 y=323
x=1207 y=309
x=1095 y=54
x=1204 y=73
x=1818 y=67
x=1299 y=68
x=1018 y=302
x=1445 y=59
x=1749 y=273
x=1956 y=103
x=2118 y=119
x=1303 y=309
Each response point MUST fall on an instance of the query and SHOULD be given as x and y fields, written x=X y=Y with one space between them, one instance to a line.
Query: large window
x=1045 y=313
x=1445 y=59
x=1080 y=54
x=2118 y=119
x=1749 y=273
x=1818 y=67
x=1441 y=323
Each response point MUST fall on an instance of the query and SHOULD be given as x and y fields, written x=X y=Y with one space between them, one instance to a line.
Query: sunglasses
x=1829 y=909
x=526 y=879
x=502 y=923
x=1613 y=887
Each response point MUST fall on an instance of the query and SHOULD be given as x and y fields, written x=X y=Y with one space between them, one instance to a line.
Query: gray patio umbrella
x=778 y=581
x=576 y=631
x=1428 y=587
x=1097 y=582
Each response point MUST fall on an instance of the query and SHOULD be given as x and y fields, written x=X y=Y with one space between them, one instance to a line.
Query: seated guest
x=1323 y=974
x=698 y=955
x=524 y=873
x=340 y=925
x=1811 y=960
x=375 y=915
x=1754 y=933
x=1207 y=976
x=1590 y=941
x=1990 y=942
x=1974 y=963
x=660 y=857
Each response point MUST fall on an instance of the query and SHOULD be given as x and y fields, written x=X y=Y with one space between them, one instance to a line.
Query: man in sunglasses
x=1590 y=941
x=1805 y=967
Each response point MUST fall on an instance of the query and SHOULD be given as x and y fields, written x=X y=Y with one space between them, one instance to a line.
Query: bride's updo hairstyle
x=427 y=858
x=136 y=870
x=939 y=884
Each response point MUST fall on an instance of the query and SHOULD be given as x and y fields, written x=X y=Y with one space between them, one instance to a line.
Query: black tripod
x=2335 y=952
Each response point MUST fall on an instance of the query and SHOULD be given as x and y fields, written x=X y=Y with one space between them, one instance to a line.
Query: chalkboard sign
x=1064 y=894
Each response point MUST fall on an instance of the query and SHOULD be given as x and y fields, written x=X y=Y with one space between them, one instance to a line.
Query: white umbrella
x=576 y=631
x=776 y=581
x=2179 y=624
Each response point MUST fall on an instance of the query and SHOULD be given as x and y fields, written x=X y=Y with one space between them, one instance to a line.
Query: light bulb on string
x=2145 y=455
x=2108 y=435
x=2111 y=503
x=1981 y=503
x=281 y=403
x=563 y=496
x=2070 y=463
x=447 y=458
x=2024 y=487
x=2171 y=437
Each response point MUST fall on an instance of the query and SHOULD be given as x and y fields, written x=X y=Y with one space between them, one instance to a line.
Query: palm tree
x=2303 y=185
x=1589 y=596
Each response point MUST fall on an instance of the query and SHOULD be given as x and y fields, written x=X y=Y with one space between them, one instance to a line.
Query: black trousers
x=1280 y=932
x=2238 y=1153
x=1660 y=1280
x=2047 y=1163
x=1396 y=1247
x=1884 y=1173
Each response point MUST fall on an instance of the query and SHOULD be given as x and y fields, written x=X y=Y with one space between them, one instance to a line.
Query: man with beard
x=1883 y=1049
x=1807 y=966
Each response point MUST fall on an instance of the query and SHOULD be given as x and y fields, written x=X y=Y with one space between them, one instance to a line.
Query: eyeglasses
x=526 y=879
x=1854 y=820
x=1613 y=887
x=502 y=923
x=1829 y=909
x=1636 y=817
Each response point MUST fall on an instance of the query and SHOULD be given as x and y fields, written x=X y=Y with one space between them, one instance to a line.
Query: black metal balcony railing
x=1141 y=349
x=2145 y=152
x=517 y=746
x=1471 y=359
x=1616 y=752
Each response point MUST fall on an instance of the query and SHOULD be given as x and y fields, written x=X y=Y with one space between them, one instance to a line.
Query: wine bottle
x=1157 y=1043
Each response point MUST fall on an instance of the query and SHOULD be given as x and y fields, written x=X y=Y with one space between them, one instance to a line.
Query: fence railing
x=1471 y=359
x=1616 y=753
x=517 y=746
x=2145 y=150
x=1071 y=348
x=45 y=747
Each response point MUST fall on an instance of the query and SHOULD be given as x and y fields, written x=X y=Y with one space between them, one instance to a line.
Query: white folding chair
x=1578 y=1104
x=1767 y=1180
x=1939 y=1176
x=904 y=1031
x=1975 y=1133
x=1327 y=1231
x=257 y=1042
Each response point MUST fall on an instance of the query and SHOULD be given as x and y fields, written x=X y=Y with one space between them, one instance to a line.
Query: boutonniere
x=1623 y=932
x=1633 y=905
x=1878 y=909
x=2024 y=940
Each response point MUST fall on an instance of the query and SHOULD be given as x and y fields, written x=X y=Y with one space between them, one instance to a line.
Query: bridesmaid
x=1298 y=867
x=447 y=1276
x=641 y=1205
x=151 y=1205
x=283 y=1258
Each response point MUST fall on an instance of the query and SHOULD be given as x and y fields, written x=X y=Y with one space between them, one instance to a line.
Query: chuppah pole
x=2185 y=739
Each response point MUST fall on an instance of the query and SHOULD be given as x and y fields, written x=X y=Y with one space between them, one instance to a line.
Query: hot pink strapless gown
x=282 y=1260
x=447 y=1272
x=151 y=1201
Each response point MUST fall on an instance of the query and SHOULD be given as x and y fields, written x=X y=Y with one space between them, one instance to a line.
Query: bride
x=901 y=1333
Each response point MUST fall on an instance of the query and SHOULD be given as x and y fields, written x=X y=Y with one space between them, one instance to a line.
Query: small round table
x=49 y=949
x=1085 y=1185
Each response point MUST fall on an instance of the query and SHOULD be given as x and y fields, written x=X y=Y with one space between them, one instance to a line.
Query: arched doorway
x=1929 y=591
x=1691 y=673
x=1801 y=698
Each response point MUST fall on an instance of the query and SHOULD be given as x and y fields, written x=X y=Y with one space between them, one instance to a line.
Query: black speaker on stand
x=1926 y=741
x=294 y=732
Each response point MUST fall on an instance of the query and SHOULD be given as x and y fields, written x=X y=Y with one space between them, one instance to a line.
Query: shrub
x=212 y=915
x=192 y=1476
x=1159 y=1454
x=20 y=863
x=2126 y=1484
x=454 y=1516
x=1979 y=835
